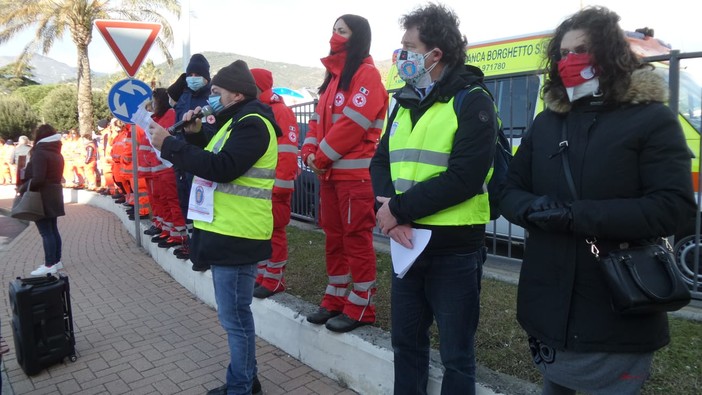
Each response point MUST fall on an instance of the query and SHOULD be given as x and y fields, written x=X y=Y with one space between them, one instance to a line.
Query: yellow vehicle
x=513 y=73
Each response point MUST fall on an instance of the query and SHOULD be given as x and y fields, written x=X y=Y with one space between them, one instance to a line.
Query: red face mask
x=576 y=69
x=337 y=43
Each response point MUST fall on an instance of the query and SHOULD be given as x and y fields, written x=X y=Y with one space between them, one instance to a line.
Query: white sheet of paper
x=402 y=257
x=142 y=118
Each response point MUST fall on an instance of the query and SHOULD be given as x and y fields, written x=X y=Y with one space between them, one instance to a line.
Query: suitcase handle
x=38 y=281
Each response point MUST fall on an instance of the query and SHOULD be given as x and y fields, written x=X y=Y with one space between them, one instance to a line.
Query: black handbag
x=641 y=279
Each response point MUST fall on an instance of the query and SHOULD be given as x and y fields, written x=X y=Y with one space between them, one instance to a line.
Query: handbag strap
x=563 y=149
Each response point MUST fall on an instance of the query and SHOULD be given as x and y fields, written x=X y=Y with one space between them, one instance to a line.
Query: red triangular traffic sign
x=129 y=41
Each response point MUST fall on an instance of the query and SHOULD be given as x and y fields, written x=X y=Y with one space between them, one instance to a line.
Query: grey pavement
x=137 y=330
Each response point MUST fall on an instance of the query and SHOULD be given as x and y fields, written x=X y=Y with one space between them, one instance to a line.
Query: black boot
x=322 y=316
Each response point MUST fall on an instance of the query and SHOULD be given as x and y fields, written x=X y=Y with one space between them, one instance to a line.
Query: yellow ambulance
x=513 y=73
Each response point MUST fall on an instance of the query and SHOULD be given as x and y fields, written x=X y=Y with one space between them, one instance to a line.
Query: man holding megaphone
x=230 y=204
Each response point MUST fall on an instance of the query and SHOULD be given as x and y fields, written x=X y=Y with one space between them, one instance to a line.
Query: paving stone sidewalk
x=137 y=330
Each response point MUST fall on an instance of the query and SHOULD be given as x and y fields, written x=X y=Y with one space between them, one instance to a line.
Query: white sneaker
x=58 y=265
x=43 y=270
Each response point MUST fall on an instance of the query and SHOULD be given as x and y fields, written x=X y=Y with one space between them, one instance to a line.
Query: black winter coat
x=247 y=143
x=631 y=168
x=45 y=170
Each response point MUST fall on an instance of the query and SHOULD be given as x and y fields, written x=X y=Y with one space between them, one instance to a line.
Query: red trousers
x=141 y=193
x=270 y=272
x=163 y=196
x=347 y=218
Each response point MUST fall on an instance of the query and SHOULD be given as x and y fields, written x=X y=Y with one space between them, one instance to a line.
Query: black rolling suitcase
x=42 y=321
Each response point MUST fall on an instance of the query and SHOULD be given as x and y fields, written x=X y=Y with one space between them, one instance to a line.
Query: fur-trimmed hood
x=646 y=86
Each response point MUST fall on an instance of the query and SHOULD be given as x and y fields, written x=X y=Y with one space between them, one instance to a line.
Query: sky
x=298 y=31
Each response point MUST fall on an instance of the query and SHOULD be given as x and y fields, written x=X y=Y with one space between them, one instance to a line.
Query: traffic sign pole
x=135 y=182
x=130 y=42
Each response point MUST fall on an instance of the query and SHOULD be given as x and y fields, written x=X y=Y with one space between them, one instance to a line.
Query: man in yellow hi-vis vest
x=230 y=205
x=430 y=173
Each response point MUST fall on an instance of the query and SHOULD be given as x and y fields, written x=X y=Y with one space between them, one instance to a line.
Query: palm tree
x=149 y=73
x=54 y=18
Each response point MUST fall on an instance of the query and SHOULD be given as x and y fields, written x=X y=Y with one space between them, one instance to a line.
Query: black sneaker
x=160 y=237
x=153 y=231
x=222 y=390
x=256 y=387
x=184 y=253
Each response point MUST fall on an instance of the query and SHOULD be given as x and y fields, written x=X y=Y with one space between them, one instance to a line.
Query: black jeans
x=445 y=289
x=48 y=229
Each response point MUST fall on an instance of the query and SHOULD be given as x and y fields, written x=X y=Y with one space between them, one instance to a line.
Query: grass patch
x=501 y=344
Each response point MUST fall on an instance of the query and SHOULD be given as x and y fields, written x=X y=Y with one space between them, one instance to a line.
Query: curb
x=359 y=360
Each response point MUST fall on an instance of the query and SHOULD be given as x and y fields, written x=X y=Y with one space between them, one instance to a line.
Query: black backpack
x=503 y=151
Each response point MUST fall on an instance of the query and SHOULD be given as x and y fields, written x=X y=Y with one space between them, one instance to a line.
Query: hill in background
x=50 y=71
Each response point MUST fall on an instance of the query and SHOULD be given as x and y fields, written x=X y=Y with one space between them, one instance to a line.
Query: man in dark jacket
x=191 y=90
x=231 y=205
x=429 y=172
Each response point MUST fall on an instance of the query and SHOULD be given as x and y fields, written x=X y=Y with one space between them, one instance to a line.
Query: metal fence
x=517 y=100
x=305 y=199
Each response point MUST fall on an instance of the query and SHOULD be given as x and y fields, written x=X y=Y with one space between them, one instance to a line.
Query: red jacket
x=149 y=161
x=344 y=131
x=287 y=169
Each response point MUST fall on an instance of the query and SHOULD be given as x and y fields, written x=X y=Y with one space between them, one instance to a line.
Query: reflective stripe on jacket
x=243 y=207
x=345 y=128
x=417 y=154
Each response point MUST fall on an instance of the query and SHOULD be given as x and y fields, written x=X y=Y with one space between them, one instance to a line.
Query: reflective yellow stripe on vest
x=420 y=153
x=243 y=207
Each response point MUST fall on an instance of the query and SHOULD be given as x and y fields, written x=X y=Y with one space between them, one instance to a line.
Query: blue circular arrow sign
x=126 y=96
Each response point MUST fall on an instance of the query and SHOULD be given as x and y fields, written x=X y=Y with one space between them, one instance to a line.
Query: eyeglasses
x=580 y=49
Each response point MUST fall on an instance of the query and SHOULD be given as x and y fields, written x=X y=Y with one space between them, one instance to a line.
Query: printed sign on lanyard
x=201 y=205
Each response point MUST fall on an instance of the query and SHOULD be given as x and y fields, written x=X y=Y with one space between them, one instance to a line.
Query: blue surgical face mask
x=195 y=83
x=215 y=103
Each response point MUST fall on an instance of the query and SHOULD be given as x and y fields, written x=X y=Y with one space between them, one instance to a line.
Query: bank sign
x=525 y=54
x=510 y=56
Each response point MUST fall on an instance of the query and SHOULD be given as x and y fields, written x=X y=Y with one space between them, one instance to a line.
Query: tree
x=52 y=19
x=58 y=108
x=150 y=74
x=102 y=110
x=34 y=95
x=14 y=76
x=16 y=117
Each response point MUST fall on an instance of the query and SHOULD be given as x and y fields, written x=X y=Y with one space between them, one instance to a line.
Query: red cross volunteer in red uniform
x=342 y=137
x=270 y=278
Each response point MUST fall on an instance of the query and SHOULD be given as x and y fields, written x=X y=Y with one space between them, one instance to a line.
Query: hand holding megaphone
x=190 y=123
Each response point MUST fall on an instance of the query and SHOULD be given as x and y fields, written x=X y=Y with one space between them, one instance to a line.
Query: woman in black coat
x=45 y=170
x=631 y=168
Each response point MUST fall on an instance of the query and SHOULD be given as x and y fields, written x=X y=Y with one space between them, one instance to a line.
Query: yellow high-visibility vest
x=421 y=153
x=243 y=207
